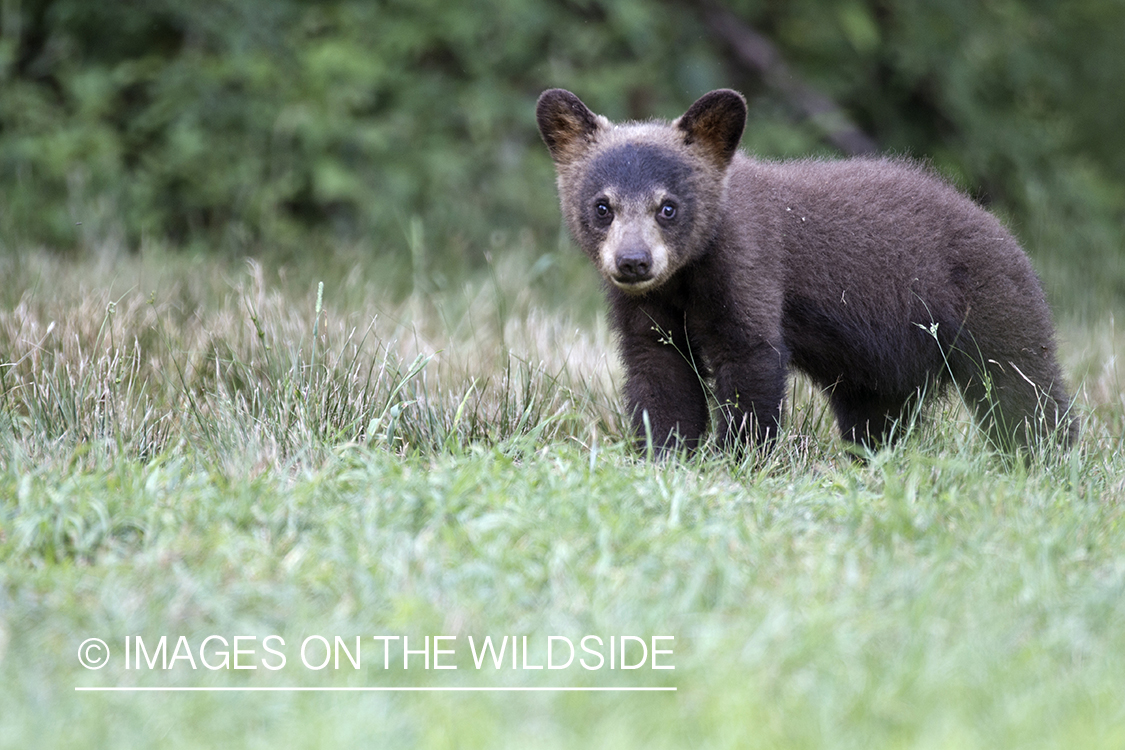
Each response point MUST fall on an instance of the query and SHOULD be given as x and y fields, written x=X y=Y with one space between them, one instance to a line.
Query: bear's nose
x=634 y=265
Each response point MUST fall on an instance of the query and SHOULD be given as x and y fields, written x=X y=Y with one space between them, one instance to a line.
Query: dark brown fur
x=872 y=276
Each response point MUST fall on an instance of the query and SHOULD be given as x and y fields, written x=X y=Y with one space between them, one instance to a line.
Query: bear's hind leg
x=1021 y=404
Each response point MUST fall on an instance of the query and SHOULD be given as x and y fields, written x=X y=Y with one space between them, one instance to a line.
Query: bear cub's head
x=642 y=199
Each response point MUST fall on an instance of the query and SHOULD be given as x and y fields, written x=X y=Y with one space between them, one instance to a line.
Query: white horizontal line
x=369 y=689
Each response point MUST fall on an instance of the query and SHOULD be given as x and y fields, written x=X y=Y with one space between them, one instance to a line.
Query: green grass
x=190 y=449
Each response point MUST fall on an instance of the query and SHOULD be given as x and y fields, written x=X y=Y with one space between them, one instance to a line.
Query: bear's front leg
x=662 y=384
x=750 y=389
x=663 y=379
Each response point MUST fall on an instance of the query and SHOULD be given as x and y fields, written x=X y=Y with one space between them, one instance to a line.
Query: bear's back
x=873 y=253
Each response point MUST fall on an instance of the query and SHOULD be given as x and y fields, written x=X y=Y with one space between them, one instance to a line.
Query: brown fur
x=873 y=276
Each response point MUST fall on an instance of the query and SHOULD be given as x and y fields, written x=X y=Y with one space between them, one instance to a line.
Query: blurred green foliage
x=1019 y=102
x=256 y=122
x=398 y=125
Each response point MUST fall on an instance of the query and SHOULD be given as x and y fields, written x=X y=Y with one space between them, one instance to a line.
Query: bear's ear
x=714 y=125
x=565 y=123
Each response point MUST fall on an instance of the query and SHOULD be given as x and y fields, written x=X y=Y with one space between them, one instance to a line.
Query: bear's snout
x=634 y=265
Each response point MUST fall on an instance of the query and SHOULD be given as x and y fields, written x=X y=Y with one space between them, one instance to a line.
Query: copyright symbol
x=93 y=653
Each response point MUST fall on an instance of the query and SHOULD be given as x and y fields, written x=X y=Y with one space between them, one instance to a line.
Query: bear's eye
x=601 y=208
x=668 y=210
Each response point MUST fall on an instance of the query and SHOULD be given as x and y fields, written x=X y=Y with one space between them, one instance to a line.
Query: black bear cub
x=872 y=276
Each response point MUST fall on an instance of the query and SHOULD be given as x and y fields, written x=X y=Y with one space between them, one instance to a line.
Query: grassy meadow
x=192 y=447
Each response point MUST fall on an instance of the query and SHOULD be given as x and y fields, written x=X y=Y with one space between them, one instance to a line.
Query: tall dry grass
x=141 y=356
x=255 y=367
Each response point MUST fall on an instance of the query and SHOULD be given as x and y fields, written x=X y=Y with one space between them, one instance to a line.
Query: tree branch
x=756 y=53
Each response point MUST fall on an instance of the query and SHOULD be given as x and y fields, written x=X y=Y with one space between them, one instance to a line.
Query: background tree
x=275 y=126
